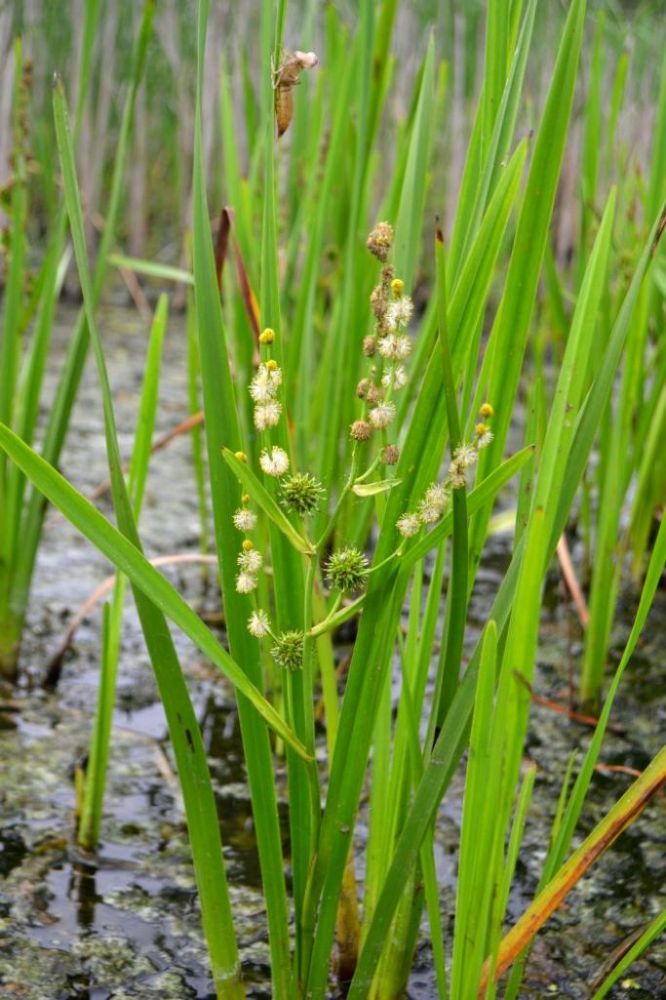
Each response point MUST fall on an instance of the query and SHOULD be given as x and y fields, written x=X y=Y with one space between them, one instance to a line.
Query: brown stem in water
x=54 y=667
x=571 y=580
x=194 y=420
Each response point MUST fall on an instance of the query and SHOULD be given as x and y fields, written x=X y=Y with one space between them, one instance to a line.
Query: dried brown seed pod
x=360 y=430
x=380 y=239
x=375 y=394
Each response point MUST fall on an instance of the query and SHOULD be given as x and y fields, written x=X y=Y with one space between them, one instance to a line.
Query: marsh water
x=125 y=923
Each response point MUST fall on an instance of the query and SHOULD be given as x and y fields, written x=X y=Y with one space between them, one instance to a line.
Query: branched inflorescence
x=435 y=500
x=300 y=492
x=387 y=348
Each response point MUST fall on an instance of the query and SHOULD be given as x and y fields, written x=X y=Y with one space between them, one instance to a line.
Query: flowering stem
x=393 y=555
x=308 y=644
x=368 y=472
x=456 y=604
x=326 y=534
x=333 y=618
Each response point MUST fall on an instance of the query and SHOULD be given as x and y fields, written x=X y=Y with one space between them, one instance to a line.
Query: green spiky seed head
x=301 y=492
x=288 y=649
x=346 y=569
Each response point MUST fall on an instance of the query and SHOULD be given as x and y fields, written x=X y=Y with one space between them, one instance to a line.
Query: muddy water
x=127 y=926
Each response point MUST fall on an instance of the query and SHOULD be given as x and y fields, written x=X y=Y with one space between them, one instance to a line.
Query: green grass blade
x=95 y=779
x=504 y=357
x=183 y=726
x=651 y=933
x=223 y=430
x=475 y=874
x=456 y=603
x=481 y=174
x=412 y=197
x=151 y=269
x=61 y=408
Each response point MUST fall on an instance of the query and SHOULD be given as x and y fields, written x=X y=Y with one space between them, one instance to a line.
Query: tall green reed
x=92 y=799
x=23 y=508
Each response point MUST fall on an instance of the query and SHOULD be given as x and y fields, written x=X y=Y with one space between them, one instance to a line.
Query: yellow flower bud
x=245 y=498
x=247 y=545
x=267 y=336
x=241 y=456
x=271 y=365
x=397 y=286
x=481 y=429
x=486 y=411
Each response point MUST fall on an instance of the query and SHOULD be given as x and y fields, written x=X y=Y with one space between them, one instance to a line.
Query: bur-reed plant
x=355 y=465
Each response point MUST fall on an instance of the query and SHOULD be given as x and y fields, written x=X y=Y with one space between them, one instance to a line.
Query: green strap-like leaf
x=127 y=558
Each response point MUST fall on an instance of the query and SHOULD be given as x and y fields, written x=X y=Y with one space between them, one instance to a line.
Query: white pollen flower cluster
x=484 y=440
x=258 y=624
x=244 y=519
x=464 y=457
x=395 y=347
x=267 y=414
x=266 y=382
x=382 y=414
x=394 y=377
x=274 y=461
x=250 y=561
x=428 y=510
x=245 y=583
x=456 y=477
x=263 y=390
x=433 y=504
x=399 y=313
x=408 y=525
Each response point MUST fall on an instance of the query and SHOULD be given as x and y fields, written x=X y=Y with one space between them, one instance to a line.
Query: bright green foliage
x=93 y=797
x=23 y=513
x=300 y=330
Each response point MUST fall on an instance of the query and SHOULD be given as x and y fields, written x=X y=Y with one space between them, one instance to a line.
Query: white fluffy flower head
x=258 y=624
x=433 y=504
x=408 y=525
x=250 y=561
x=267 y=414
x=386 y=345
x=456 y=476
x=399 y=313
x=395 y=347
x=395 y=376
x=382 y=415
x=266 y=382
x=244 y=519
x=274 y=461
x=465 y=456
x=245 y=583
